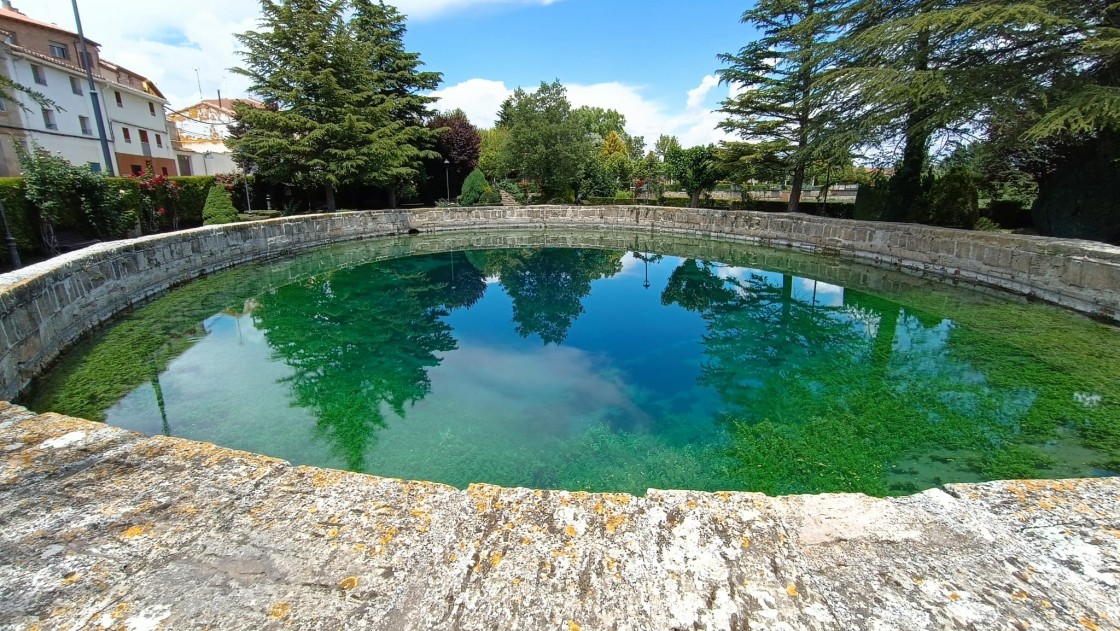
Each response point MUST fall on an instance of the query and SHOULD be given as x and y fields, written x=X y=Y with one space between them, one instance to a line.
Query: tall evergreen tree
x=340 y=98
x=781 y=103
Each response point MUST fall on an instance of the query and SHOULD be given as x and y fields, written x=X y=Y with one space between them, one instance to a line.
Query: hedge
x=22 y=216
x=838 y=210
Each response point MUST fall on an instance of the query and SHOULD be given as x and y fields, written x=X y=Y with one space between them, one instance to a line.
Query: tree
x=696 y=169
x=665 y=145
x=473 y=188
x=492 y=152
x=218 y=209
x=781 y=102
x=459 y=141
x=400 y=84
x=341 y=97
x=545 y=143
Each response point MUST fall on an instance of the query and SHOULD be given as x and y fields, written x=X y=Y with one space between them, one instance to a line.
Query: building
x=199 y=134
x=48 y=59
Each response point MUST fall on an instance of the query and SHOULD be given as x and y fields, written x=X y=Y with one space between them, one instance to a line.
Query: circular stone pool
x=675 y=363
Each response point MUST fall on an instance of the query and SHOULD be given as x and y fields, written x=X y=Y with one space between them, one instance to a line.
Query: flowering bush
x=158 y=201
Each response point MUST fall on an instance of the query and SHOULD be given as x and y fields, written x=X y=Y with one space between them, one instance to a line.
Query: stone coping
x=104 y=528
x=45 y=308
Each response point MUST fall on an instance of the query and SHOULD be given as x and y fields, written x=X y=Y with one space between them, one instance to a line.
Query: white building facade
x=47 y=59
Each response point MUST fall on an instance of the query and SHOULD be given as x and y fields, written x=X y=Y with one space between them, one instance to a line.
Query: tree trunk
x=795 y=190
x=391 y=194
x=694 y=199
x=329 y=190
x=907 y=185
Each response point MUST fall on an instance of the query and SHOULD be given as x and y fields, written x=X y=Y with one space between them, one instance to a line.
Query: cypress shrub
x=473 y=188
x=219 y=209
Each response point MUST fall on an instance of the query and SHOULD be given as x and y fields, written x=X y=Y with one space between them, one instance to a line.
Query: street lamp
x=447 y=176
x=206 y=156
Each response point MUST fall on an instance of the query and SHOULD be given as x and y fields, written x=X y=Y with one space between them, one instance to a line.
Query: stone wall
x=47 y=307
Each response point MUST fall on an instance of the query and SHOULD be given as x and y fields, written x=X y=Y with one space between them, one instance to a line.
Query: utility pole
x=87 y=61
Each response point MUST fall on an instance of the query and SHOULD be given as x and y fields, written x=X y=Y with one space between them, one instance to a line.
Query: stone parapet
x=104 y=528
x=45 y=308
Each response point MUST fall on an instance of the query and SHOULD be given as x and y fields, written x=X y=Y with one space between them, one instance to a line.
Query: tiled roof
x=12 y=14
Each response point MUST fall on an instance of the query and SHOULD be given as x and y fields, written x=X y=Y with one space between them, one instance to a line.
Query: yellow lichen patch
x=526 y=541
x=1020 y=594
x=517 y=580
x=918 y=581
x=618 y=499
x=135 y=531
x=614 y=522
x=119 y=611
x=573 y=625
x=691 y=504
x=791 y=589
x=279 y=611
x=954 y=596
x=332 y=532
x=611 y=563
x=360 y=547
x=348 y=583
x=70 y=578
x=1089 y=623
x=384 y=540
x=1046 y=604
x=323 y=478
x=495 y=559
x=745 y=542
x=570 y=530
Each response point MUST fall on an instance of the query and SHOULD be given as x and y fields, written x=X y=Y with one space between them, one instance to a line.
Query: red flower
x=162 y=211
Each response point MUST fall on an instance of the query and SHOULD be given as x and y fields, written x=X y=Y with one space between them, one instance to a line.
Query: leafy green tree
x=781 y=102
x=666 y=145
x=341 y=102
x=218 y=209
x=545 y=143
x=492 y=151
x=696 y=169
x=473 y=188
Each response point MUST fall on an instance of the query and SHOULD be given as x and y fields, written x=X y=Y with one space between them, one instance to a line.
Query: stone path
x=102 y=528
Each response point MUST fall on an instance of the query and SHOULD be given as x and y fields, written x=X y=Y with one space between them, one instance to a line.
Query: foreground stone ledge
x=103 y=528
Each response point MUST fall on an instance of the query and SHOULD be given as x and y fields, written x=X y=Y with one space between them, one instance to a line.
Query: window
x=76 y=85
x=94 y=166
x=86 y=129
x=137 y=169
x=152 y=108
x=59 y=51
x=164 y=169
x=120 y=101
x=185 y=166
x=159 y=140
x=48 y=119
x=127 y=134
x=144 y=136
x=39 y=75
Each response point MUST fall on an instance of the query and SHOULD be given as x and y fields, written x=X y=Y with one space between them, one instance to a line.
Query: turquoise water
x=610 y=370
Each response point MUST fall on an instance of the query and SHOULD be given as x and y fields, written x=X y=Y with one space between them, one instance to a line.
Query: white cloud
x=478 y=98
x=699 y=94
x=164 y=41
x=693 y=121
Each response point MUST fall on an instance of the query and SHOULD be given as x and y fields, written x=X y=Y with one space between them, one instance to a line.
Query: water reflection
x=654 y=371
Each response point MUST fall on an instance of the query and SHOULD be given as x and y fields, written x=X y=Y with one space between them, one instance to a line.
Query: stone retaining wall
x=46 y=307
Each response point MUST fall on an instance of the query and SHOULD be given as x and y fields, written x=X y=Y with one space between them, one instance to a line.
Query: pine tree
x=781 y=102
x=341 y=102
x=398 y=85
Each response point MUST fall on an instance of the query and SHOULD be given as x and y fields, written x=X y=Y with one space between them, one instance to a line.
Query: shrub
x=473 y=188
x=514 y=190
x=984 y=224
x=219 y=209
x=954 y=200
x=490 y=198
x=73 y=197
x=22 y=216
x=624 y=197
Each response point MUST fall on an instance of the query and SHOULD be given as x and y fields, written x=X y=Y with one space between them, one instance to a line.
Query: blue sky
x=653 y=60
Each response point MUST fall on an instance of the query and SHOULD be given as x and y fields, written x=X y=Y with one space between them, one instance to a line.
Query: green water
x=720 y=368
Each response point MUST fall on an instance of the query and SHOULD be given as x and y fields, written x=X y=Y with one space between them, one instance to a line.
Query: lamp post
x=447 y=177
x=13 y=249
x=206 y=156
x=87 y=61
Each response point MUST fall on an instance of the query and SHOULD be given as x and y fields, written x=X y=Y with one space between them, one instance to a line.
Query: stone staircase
x=508 y=200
